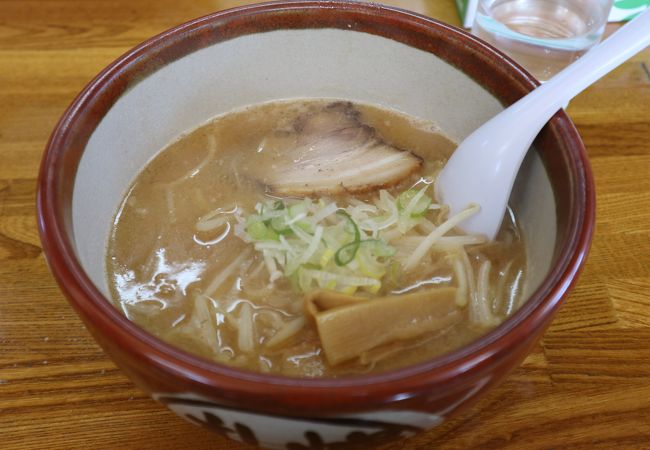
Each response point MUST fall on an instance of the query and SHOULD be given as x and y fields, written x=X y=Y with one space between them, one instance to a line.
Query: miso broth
x=247 y=239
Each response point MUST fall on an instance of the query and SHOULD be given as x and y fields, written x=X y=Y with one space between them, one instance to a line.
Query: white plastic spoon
x=483 y=168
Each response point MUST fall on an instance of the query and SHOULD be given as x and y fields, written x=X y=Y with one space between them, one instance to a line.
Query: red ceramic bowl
x=358 y=51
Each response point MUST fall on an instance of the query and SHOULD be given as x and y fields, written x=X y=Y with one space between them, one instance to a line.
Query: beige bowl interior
x=280 y=65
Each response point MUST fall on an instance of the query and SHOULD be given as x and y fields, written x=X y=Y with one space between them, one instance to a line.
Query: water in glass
x=542 y=35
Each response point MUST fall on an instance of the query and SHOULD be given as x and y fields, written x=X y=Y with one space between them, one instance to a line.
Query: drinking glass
x=544 y=36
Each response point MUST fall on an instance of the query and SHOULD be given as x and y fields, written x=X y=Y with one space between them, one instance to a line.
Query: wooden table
x=586 y=385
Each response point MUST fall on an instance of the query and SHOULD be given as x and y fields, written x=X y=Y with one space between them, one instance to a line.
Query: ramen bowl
x=347 y=50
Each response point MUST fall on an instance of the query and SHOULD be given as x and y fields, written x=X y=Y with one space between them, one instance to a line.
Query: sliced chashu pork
x=332 y=152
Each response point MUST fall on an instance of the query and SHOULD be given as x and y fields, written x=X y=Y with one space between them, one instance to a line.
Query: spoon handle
x=622 y=45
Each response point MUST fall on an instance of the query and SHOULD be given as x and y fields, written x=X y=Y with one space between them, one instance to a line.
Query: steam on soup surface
x=302 y=238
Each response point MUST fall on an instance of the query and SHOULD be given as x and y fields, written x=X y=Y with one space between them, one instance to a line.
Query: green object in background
x=631 y=4
x=461 y=5
x=627 y=9
x=466 y=10
x=622 y=10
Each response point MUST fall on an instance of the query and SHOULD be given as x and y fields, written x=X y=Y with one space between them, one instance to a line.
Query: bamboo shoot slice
x=348 y=331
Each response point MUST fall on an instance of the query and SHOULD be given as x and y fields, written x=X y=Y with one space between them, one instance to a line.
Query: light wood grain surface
x=586 y=385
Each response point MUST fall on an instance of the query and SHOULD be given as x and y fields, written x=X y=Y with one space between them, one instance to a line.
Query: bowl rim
x=66 y=146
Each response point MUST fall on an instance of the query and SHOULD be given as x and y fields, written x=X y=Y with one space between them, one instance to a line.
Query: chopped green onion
x=297 y=209
x=414 y=203
x=279 y=225
x=351 y=224
x=258 y=231
x=346 y=253
x=378 y=247
x=317 y=244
